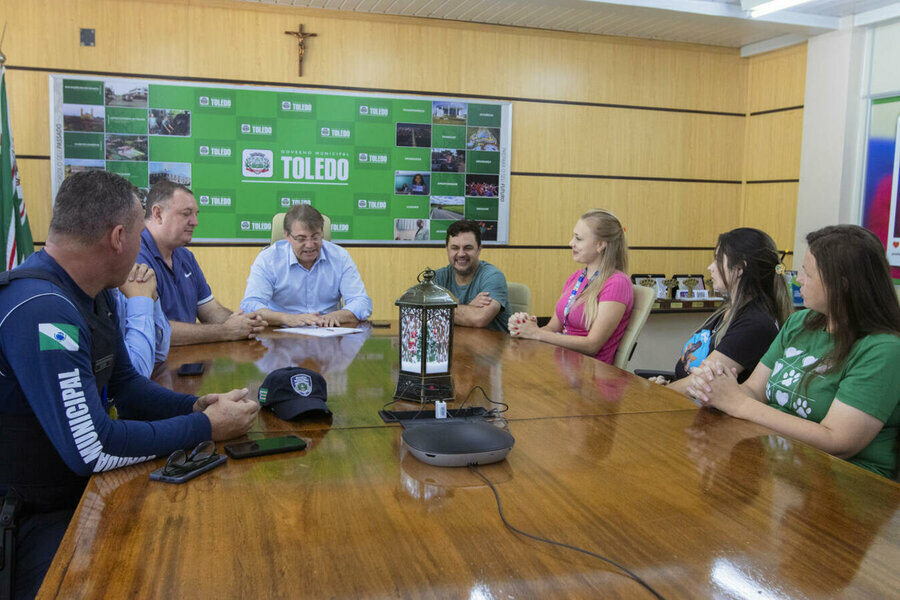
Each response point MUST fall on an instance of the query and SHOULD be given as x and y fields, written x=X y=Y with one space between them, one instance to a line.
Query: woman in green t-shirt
x=832 y=376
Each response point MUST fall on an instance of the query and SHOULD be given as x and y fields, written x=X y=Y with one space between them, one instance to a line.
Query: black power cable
x=634 y=576
x=493 y=412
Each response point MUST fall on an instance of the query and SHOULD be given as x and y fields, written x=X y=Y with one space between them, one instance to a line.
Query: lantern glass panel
x=438 y=347
x=411 y=339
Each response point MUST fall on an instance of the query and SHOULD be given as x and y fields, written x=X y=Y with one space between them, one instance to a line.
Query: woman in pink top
x=596 y=301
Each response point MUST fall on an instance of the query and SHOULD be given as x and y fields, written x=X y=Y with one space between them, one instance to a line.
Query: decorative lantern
x=426 y=342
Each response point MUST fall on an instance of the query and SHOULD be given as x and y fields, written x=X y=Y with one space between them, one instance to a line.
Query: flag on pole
x=15 y=234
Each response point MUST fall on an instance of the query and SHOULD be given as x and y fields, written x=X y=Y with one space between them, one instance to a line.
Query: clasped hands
x=523 y=325
x=230 y=414
x=314 y=320
x=242 y=325
x=141 y=281
x=716 y=385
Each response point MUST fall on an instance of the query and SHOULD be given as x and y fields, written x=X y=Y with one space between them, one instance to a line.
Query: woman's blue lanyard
x=574 y=294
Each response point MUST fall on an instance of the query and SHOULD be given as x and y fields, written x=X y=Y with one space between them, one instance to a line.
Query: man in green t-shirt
x=479 y=287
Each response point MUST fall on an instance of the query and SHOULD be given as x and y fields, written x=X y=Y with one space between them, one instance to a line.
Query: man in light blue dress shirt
x=141 y=320
x=302 y=279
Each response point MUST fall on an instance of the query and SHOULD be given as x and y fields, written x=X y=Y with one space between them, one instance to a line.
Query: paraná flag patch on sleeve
x=58 y=336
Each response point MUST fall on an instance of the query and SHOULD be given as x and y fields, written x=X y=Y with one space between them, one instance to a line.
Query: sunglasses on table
x=182 y=461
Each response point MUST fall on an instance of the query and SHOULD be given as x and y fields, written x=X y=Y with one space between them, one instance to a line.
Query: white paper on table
x=320 y=331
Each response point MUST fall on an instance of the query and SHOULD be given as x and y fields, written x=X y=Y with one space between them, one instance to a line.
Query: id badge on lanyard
x=574 y=295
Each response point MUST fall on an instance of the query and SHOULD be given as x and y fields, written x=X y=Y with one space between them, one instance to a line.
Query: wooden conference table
x=698 y=504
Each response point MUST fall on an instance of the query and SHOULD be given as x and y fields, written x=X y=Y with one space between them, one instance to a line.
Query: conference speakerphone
x=450 y=443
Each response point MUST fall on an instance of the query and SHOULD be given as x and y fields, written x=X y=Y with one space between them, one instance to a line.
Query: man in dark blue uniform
x=65 y=372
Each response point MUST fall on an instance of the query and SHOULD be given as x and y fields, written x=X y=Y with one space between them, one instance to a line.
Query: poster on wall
x=893 y=238
x=879 y=192
x=384 y=168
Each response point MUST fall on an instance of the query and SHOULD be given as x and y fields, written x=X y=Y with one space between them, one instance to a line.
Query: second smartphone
x=265 y=446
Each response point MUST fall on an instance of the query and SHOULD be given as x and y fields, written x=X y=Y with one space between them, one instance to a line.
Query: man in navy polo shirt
x=170 y=217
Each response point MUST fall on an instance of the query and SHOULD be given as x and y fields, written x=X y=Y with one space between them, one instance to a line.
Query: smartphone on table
x=265 y=446
x=188 y=369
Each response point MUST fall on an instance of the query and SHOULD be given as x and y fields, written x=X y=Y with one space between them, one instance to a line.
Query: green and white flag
x=58 y=336
x=15 y=234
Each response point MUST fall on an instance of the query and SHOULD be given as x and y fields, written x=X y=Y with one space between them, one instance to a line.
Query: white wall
x=885 y=60
x=833 y=123
x=845 y=70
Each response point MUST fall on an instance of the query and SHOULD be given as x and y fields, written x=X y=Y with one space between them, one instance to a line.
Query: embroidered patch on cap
x=302 y=384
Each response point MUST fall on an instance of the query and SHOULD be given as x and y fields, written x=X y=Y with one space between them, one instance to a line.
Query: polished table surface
x=696 y=503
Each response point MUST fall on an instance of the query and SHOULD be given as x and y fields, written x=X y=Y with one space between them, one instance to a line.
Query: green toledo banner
x=389 y=169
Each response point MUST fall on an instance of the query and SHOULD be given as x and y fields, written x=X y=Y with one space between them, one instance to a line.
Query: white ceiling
x=712 y=22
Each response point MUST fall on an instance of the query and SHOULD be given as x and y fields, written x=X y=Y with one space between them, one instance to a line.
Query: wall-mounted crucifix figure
x=301 y=36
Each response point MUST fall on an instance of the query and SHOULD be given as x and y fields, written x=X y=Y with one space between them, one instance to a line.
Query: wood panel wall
x=777 y=85
x=681 y=141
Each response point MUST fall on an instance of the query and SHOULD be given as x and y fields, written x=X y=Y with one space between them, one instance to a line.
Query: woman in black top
x=748 y=272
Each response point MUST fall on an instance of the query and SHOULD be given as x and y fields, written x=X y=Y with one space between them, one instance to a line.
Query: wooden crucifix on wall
x=301 y=48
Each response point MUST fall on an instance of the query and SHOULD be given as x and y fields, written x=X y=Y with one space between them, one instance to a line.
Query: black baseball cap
x=294 y=391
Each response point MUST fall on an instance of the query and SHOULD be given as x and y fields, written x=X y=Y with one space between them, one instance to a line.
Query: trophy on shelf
x=670 y=284
x=654 y=281
x=691 y=287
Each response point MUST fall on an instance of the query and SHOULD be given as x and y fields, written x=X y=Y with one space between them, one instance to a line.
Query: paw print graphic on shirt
x=790 y=378
x=801 y=407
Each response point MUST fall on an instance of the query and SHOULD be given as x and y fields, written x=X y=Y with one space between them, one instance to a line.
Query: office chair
x=644 y=297
x=519 y=296
x=278 y=227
